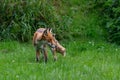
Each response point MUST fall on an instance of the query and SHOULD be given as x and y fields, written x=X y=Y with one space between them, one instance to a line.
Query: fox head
x=53 y=43
x=49 y=37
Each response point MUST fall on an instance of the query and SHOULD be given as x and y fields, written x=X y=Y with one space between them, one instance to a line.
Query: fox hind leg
x=37 y=55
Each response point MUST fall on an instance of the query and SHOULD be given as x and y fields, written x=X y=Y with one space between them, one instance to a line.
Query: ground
x=85 y=60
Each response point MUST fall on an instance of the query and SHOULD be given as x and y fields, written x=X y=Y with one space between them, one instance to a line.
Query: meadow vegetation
x=88 y=60
x=80 y=27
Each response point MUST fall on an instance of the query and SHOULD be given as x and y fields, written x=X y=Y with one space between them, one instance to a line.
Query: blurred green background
x=73 y=19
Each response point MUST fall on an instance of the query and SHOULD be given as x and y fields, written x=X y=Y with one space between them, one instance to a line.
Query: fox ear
x=50 y=29
x=45 y=32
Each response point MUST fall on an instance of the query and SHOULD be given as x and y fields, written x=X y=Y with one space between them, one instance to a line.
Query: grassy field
x=85 y=60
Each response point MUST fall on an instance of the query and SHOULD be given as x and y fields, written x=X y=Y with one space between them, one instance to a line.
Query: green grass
x=85 y=60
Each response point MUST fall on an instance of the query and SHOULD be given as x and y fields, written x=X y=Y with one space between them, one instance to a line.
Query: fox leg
x=37 y=49
x=45 y=53
x=37 y=52
x=37 y=55
x=54 y=54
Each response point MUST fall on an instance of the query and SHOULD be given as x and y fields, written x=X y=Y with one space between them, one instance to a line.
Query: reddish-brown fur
x=41 y=39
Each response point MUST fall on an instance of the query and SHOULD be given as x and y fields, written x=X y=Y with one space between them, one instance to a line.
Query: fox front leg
x=54 y=53
x=45 y=53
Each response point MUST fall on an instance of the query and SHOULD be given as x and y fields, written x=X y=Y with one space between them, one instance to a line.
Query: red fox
x=44 y=37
